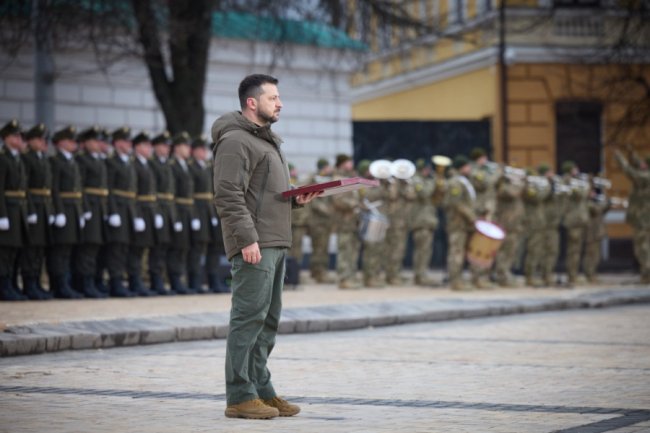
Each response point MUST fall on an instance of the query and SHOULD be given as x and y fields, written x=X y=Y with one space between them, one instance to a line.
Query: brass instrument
x=402 y=169
x=441 y=162
x=616 y=202
x=538 y=186
x=601 y=182
x=380 y=169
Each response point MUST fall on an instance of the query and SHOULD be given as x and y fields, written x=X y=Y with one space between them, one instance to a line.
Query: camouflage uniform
x=576 y=220
x=509 y=215
x=459 y=208
x=534 y=196
x=595 y=234
x=346 y=207
x=553 y=210
x=320 y=227
x=484 y=180
x=637 y=214
x=424 y=221
x=399 y=209
x=374 y=253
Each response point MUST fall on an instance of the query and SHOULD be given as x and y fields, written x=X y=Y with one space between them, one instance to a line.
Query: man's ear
x=251 y=103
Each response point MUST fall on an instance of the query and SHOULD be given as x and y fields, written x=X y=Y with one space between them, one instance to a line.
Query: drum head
x=490 y=230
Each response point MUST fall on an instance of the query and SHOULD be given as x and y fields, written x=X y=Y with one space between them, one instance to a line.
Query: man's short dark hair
x=251 y=87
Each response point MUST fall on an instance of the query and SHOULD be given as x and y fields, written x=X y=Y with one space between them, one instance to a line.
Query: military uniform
x=553 y=208
x=94 y=181
x=319 y=222
x=346 y=207
x=399 y=210
x=424 y=221
x=158 y=256
x=374 y=253
x=182 y=236
x=637 y=214
x=122 y=212
x=13 y=212
x=66 y=230
x=147 y=209
x=596 y=232
x=39 y=194
x=576 y=220
x=534 y=196
x=509 y=216
x=459 y=207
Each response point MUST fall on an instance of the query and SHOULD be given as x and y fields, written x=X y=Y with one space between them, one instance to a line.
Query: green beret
x=322 y=163
x=93 y=133
x=543 y=168
x=11 y=127
x=124 y=133
x=200 y=142
x=162 y=138
x=181 y=138
x=477 y=153
x=363 y=166
x=67 y=133
x=567 y=166
x=460 y=161
x=142 y=137
x=342 y=158
x=36 y=131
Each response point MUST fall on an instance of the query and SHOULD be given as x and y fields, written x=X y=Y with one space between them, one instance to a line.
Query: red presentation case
x=333 y=187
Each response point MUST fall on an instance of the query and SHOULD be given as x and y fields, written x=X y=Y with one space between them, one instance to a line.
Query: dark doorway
x=579 y=134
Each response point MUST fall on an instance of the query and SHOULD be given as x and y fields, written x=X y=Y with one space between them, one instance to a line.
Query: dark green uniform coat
x=147 y=209
x=12 y=178
x=39 y=182
x=204 y=208
x=121 y=178
x=94 y=179
x=66 y=179
x=184 y=190
x=166 y=206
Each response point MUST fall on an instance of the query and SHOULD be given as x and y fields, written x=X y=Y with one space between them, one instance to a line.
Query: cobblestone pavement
x=574 y=371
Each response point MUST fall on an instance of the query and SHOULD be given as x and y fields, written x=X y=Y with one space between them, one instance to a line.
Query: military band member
x=68 y=213
x=424 y=221
x=374 y=252
x=510 y=214
x=553 y=208
x=147 y=209
x=13 y=207
x=576 y=219
x=535 y=194
x=459 y=207
x=204 y=211
x=319 y=221
x=346 y=207
x=39 y=193
x=638 y=210
x=158 y=256
x=598 y=206
x=94 y=181
x=123 y=219
x=185 y=221
x=399 y=211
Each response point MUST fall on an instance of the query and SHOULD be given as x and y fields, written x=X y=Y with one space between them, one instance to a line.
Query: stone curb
x=41 y=338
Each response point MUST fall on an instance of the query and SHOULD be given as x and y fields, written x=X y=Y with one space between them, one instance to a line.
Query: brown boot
x=284 y=407
x=252 y=409
x=373 y=283
x=349 y=284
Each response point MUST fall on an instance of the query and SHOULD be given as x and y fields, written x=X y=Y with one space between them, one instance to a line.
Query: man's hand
x=252 y=254
x=306 y=198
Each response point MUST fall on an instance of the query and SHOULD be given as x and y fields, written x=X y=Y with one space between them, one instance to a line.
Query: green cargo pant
x=254 y=321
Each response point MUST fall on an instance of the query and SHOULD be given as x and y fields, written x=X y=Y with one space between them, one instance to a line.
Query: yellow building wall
x=470 y=96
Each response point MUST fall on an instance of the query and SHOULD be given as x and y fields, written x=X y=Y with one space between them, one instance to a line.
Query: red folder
x=333 y=187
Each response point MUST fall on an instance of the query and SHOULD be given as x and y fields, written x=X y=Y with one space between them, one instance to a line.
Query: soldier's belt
x=203 y=196
x=102 y=192
x=70 y=194
x=185 y=201
x=166 y=196
x=46 y=192
x=122 y=193
x=148 y=198
x=15 y=194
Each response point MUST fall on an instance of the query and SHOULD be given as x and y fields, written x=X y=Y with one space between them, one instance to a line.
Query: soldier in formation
x=90 y=207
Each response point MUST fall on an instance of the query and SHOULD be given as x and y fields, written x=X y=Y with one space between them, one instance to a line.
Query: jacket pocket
x=260 y=198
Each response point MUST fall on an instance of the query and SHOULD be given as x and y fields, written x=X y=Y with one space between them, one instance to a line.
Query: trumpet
x=513 y=173
x=601 y=182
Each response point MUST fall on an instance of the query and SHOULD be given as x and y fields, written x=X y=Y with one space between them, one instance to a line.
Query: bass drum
x=484 y=243
x=373 y=226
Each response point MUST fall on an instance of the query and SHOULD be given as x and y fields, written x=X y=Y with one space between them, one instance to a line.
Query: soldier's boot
x=424 y=281
x=459 y=285
x=157 y=284
x=373 y=282
x=32 y=291
x=177 y=285
x=349 y=283
x=101 y=285
x=137 y=288
x=63 y=289
x=482 y=283
x=194 y=283
x=217 y=284
x=395 y=280
x=117 y=289
x=88 y=288
x=8 y=292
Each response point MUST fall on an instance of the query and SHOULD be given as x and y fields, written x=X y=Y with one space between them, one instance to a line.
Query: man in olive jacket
x=250 y=174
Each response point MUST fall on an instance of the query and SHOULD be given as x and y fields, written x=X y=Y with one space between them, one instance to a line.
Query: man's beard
x=270 y=118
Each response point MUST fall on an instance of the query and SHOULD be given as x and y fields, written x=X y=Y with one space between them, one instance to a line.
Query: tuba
x=402 y=169
x=380 y=169
x=441 y=162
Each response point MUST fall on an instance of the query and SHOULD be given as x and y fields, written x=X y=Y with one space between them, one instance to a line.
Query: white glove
x=87 y=215
x=50 y=219
x=178 y=226
x=32 y=218
x=115 y=220
x=215 y=222
x=139 y=225
x=158 y=221
x=4 y=223
x=196 y=224
x=60 y=220
x=82 y=222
